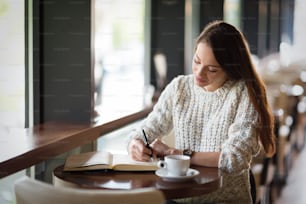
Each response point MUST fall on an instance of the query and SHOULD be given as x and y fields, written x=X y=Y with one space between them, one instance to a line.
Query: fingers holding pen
x=139 y=151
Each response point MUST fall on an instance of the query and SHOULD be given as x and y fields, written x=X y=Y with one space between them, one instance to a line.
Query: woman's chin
x=200 y=83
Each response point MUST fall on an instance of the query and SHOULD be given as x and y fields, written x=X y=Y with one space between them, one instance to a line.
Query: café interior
x=88 y=72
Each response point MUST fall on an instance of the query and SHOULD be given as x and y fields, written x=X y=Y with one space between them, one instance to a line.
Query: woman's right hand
x=138 y=150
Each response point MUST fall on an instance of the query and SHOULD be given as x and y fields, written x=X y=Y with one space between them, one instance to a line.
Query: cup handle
x=161 y=164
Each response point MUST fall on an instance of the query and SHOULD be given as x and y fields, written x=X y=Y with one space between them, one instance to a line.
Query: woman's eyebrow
x=215 y=66
x=210 y=65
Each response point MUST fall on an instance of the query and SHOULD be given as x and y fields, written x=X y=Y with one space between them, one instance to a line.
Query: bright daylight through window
x=12 y=64
x=119 y=58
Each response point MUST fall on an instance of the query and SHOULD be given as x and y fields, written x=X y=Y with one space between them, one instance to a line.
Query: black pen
x=146 y=142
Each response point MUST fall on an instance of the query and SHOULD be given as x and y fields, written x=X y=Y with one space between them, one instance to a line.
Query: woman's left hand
x=160 y=149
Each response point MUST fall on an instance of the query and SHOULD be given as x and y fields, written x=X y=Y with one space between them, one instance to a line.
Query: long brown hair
x=232 y=53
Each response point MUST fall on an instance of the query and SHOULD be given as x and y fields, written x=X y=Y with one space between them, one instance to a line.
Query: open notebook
x=99 y=160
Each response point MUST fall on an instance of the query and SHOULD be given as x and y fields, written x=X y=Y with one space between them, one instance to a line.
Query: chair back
x=253 y=186
x=30 y=191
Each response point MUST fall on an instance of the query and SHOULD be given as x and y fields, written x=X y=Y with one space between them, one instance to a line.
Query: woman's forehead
x=204 y=52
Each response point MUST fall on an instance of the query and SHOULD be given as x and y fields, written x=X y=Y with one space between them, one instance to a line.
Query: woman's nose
x=200 y=71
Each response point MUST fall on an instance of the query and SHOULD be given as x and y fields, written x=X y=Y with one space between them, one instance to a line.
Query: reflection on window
x=12 y=102
x=119 y=57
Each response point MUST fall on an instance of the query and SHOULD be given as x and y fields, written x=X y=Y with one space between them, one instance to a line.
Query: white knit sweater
x=223 y=120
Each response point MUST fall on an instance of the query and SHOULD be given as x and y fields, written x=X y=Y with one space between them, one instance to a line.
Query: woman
x=220 y=114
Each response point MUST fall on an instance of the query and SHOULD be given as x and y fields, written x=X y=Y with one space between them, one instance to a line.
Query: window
x=12 y=64
x=119 y=58
x=232 y=13
x=12 y=80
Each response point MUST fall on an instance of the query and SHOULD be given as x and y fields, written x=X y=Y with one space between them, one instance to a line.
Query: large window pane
x=12 y=102
x=119 y=54
x=232 y=13
x=12 y=80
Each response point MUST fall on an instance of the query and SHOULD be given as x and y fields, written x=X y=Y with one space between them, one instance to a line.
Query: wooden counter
x=22 y=148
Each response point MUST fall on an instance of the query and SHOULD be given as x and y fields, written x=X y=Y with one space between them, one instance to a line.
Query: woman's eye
x=196 y=61
x=212 y=69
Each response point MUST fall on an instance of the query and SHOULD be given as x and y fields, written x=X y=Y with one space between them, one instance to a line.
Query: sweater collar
x=218 y=92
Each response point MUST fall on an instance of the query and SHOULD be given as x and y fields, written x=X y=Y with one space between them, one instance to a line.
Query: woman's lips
x=200 y=80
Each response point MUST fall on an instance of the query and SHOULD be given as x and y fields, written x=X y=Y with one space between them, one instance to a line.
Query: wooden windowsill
x=22 y=148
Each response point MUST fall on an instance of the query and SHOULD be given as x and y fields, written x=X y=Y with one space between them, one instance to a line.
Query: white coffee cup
x=176 y=165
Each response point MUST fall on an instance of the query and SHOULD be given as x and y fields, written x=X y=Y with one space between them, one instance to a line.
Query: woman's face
x=208 y=74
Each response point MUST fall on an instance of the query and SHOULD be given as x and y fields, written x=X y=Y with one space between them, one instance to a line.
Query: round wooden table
x=207 y=181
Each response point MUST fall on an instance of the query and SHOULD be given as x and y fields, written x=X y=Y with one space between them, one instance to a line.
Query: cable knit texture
x=220 y=121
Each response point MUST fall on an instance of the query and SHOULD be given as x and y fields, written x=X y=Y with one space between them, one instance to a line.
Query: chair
x=30 y=191
x=253 y=186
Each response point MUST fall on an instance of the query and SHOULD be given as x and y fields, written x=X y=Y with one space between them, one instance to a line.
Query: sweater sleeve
x=159 y=122
x=242 y=144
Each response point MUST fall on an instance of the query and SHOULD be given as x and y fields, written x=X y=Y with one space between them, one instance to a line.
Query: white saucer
x=191 y=173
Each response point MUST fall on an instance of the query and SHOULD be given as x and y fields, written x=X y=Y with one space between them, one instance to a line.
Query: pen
x=146 y=141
